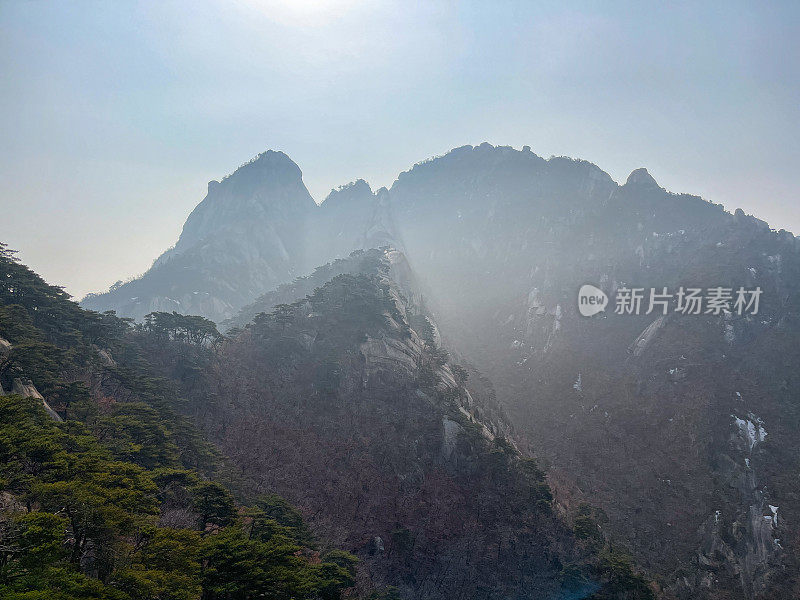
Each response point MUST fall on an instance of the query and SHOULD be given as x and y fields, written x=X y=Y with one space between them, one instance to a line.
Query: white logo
x=688 y=301
x=591 y=300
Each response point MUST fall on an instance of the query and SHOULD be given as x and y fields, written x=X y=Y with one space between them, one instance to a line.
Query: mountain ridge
x=265 y=199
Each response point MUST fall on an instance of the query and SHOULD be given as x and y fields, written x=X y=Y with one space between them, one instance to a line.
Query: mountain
x=679 y=431
x=248 y=234
x=254 y=230
x=683 y=429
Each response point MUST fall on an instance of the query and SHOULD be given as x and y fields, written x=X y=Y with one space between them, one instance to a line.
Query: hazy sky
x=115 y=115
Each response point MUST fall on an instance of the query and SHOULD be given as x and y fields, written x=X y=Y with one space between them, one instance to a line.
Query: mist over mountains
x=255 y=229
x=259 y=227
x=681 y=431
x=491 y=376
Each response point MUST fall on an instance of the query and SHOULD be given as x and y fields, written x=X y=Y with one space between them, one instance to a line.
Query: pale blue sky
x=114 y=115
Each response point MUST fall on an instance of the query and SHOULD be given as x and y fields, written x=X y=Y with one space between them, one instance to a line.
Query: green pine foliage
x=77 y=523
x=119 y=501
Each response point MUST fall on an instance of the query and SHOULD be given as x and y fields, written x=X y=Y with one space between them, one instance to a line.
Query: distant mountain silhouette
x=250 y=233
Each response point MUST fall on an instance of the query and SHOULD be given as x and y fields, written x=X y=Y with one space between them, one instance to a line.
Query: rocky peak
x=267 y=165
x=640 y=177
x=348 y=193
x=269 y=186
x=249 y=234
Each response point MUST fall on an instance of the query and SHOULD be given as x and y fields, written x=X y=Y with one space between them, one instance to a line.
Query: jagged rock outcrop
x=353 y=217
x=26 y=389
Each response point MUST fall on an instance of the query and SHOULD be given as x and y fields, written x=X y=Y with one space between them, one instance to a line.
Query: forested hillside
x=343 y=402
x=114 y=494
